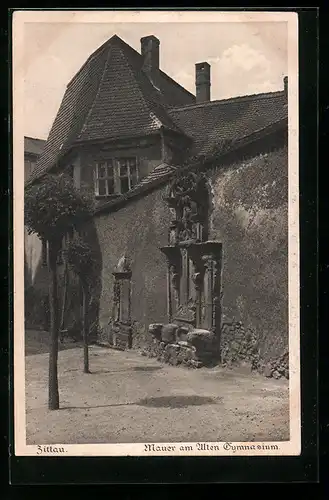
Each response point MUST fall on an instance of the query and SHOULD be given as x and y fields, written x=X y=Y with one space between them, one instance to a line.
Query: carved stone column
x=217 y=293
x=194 y=252
x=212 y=259
x=184 y=288
x=173 y=256
x=208 y=288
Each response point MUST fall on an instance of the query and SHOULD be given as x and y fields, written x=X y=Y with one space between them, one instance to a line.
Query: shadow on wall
x=73 y=320
x=70 y=294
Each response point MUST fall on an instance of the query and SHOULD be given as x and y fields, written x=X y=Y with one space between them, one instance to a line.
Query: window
x=29 y=167
x=128 y=174
x=115 y=176
x=104 y=185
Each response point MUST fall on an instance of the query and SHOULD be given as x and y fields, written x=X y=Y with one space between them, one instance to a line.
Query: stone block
x=187 y=354
x=155 y=330
x=181 y=333
x=168 y=333
x=202 y=340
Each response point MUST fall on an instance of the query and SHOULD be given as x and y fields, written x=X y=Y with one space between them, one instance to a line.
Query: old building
x=32 y=151
x=192 y=205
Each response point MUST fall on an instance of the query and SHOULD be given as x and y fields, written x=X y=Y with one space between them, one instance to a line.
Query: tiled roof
x=164 y=172
x=33 y=146
x=231 y=119
x=158 y=176
x=111 y=97
x=160 y=171
x=126 y=103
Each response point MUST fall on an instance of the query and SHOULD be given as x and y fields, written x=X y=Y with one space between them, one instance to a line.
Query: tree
x=80 y=258
x=52 y=207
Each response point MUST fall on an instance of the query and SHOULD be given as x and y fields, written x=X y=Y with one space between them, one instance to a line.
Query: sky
x=245 y=58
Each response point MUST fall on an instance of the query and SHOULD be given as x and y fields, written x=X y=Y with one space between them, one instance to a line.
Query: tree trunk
x=85 y=321
x=66 y=284
x=53 y=395
x=66 y=288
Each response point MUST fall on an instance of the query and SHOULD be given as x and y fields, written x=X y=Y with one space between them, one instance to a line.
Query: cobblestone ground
x=130 y=398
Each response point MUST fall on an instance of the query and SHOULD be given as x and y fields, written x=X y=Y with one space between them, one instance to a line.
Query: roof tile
x=209 y=123
x=110 y=97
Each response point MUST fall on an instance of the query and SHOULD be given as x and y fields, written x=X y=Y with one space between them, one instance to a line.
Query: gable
x=110 y=97
x=125 y=105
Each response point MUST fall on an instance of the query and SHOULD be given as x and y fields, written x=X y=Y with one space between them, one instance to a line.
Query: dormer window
x=128 y=174
x=104 y=185
x=115 y=176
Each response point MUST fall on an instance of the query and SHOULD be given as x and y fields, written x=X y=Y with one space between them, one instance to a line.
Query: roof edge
x=114 y=205
x=80 y=144
x=92 y=56
x=139 y=190
x=263 y=95
x=34 y=138
x=169 y=78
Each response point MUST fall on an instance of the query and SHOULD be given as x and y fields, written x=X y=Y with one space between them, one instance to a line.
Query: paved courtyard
x=131 y=398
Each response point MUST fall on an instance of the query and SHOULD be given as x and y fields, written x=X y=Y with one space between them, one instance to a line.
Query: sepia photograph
x=156 y=243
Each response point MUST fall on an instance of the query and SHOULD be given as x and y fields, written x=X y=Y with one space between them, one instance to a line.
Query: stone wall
x=239 y=345
x=137 y=230
x=173 y=354
x=250 y=218
x=180 y=345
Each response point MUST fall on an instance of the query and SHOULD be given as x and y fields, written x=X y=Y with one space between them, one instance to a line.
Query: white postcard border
x=278 y=448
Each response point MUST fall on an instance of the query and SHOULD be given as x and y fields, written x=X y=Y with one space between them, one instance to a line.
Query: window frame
x=128 y=160
x=116 y=164
x=106 y=178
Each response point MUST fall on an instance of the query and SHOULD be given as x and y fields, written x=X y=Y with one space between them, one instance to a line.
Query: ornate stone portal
x=194 y=268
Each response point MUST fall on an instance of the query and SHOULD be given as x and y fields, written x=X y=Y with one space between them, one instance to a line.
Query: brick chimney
x=285 y=86
x=150 y=53
x=202 y=82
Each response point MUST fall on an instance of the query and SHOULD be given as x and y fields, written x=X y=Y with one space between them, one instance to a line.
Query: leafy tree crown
x=53 y=206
